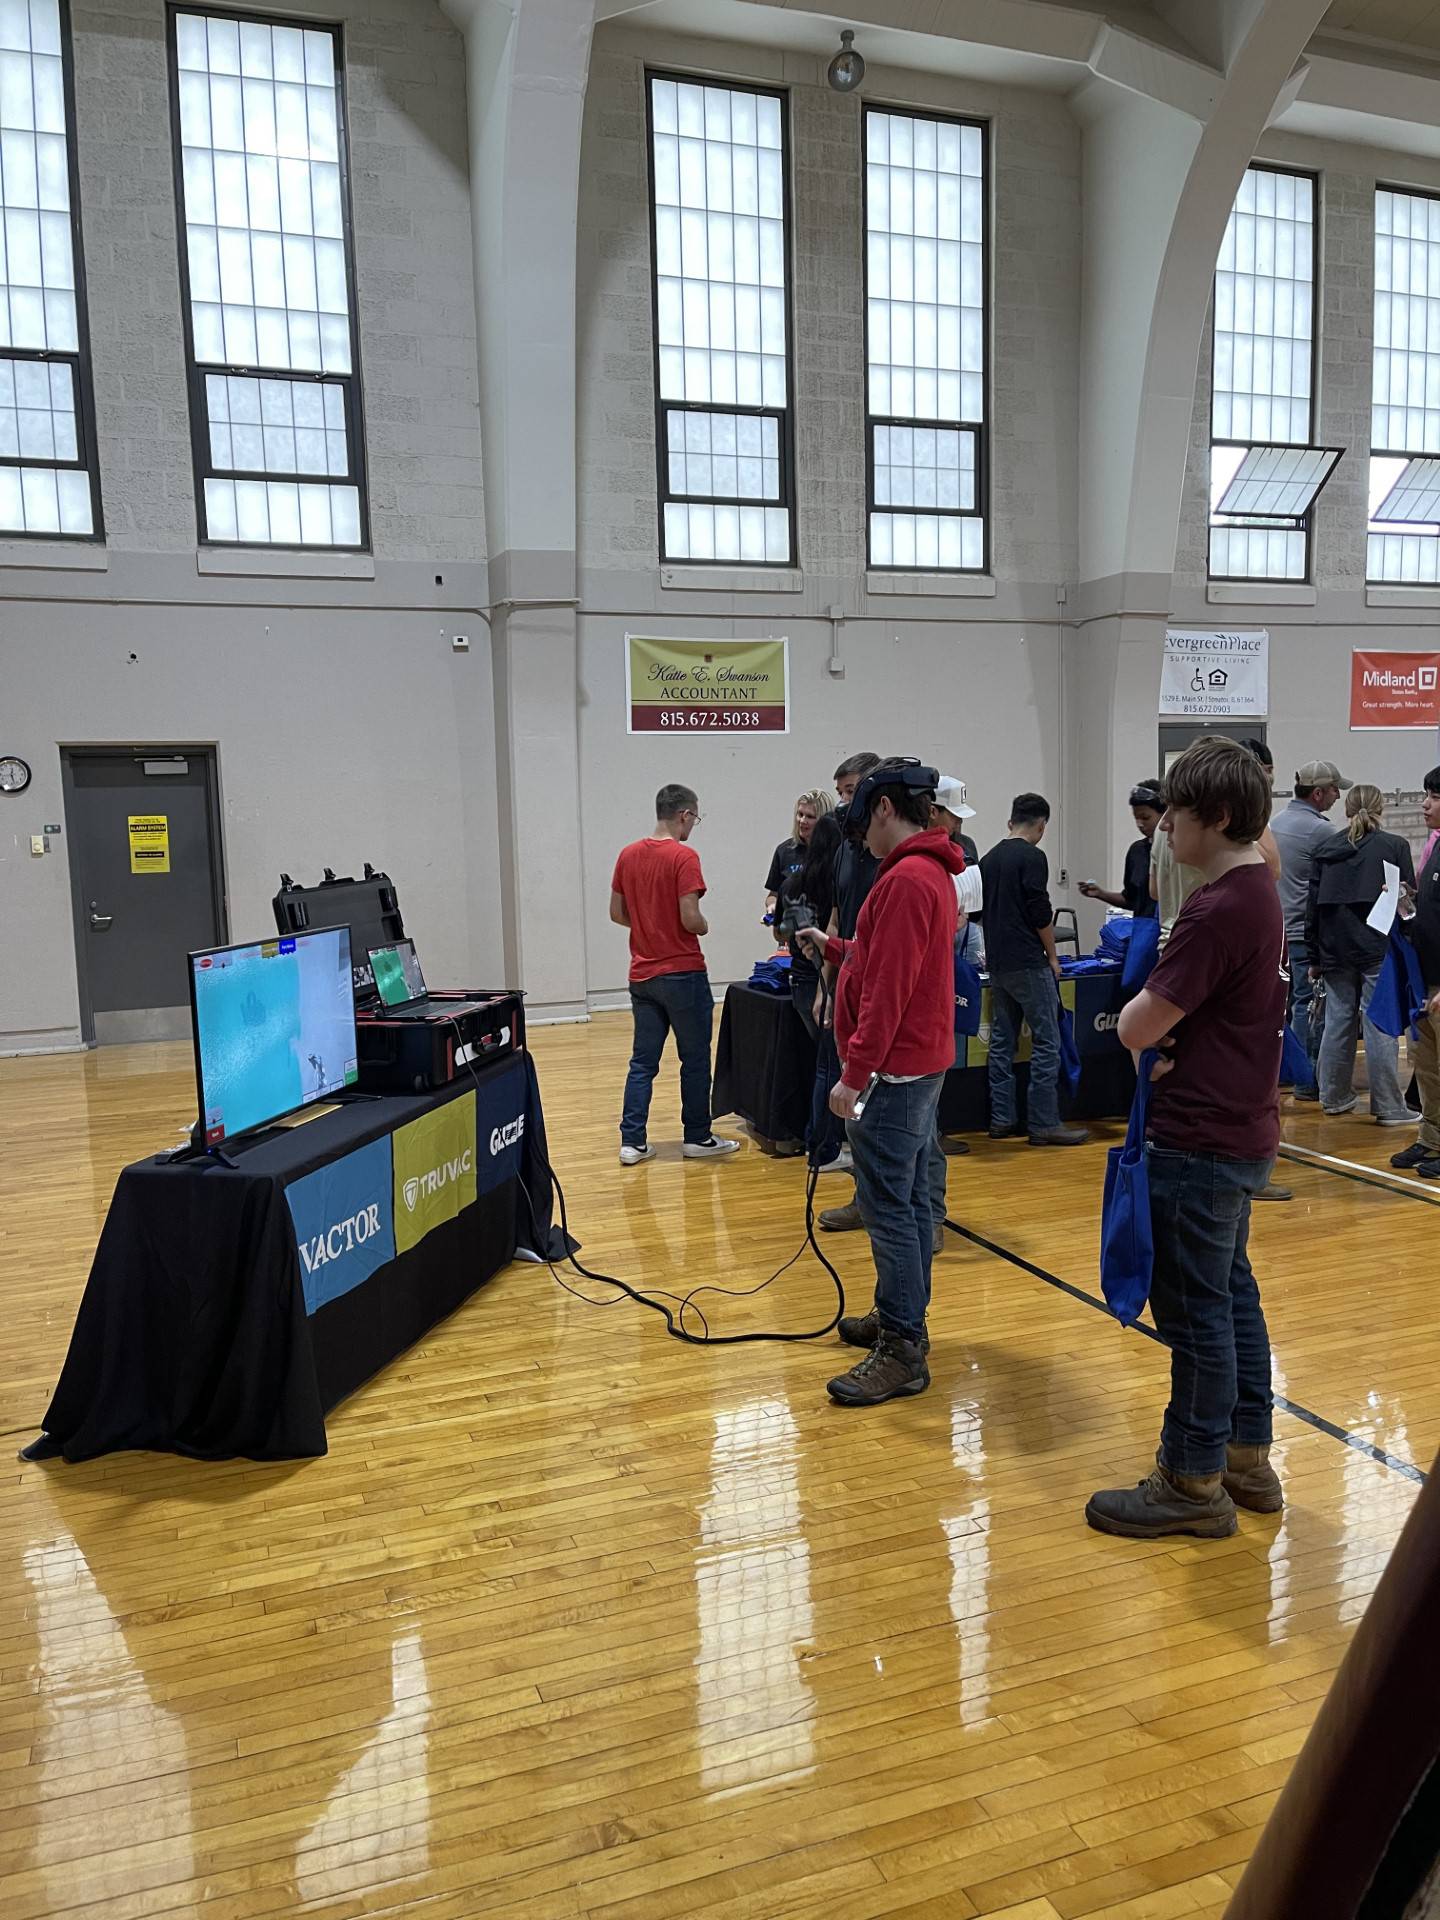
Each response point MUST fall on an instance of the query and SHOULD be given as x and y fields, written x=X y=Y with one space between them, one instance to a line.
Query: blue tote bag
x=1141 y=953
x=1295 y=1067
x=1127 y=1246
x=1069 y=1076
x=967 y=998
x=1399 y=996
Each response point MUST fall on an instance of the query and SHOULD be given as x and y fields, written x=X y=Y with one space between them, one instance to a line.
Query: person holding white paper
x=1348 y=877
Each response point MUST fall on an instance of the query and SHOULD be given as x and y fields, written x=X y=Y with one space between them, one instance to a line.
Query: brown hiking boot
x=1251 y=1481
x=863 y=1330
x=1163 y=1504
x=842 y=1219
x=892 y=1368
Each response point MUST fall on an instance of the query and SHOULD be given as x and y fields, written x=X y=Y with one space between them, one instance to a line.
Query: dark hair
x=1432 y=780
x=1148 y=793
x=671 y=802
x=815 y=881
x=1217 y=777
x=1301 y=789
x=1261 y=752
x=914 y=805
x=1027 y=808
x=861 y=763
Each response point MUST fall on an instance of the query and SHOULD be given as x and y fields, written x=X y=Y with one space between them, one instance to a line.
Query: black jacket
x=1425 y=927
x=1346 y=879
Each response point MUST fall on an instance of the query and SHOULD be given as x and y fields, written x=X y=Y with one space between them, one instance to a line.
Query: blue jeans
x=1306 y=1012
x=891 y=1143
x=939 y=1164
x=1347 y=996
x=1028 y=994
x=681 y=1003
x=1206 y=1306
x=826 y=1135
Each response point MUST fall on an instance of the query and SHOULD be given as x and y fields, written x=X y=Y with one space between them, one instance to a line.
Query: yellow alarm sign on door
x=149 y=842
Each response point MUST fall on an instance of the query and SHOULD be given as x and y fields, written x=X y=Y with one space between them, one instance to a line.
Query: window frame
x=1307 y=526
x=87 y=436
x=980 y=429
x=352 y=384
x=788 y=488
x=1387 y=453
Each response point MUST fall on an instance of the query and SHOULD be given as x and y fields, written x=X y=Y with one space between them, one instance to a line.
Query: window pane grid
x=259 y=132
x=722 y=322
x=1262 y=369
x=46 y=486
x=925 y=279
x=1405 y=397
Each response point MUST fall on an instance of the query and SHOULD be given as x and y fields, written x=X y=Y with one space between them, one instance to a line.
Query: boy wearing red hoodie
x=895 y=1028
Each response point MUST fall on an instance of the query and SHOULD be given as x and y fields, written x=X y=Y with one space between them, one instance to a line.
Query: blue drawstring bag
x=1295 y=1067
x=1115 y=939
x=1069 y=1075
x=1141 y=954
x=772 y=975
x=1399 y=997
x=1127 y=1244
x=967 y=998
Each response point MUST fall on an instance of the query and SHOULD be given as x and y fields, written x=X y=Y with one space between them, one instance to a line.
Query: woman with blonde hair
x=789 y=856
x=1347 y=878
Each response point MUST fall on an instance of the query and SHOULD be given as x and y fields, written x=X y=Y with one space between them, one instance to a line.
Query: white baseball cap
x=950 y=794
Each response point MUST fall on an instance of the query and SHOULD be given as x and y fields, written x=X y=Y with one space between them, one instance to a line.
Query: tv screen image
x=398 y=978
x=274 y=1025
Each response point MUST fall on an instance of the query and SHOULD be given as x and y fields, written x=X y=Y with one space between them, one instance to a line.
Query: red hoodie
x=895 y=997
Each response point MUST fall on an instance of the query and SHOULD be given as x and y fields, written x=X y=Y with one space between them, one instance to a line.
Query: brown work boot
x=842 y=1219
x=892 y=1368
x=1163 y=1504
x=1251 y=1481
x=863 y=1330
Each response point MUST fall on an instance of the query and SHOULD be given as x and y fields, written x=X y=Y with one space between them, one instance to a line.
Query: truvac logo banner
x=344 y=1222
x=434 y=1170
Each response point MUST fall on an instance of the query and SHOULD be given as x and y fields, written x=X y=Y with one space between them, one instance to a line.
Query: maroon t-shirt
x=1224 y=967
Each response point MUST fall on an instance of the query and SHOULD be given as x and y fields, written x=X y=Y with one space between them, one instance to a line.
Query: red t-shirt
x=653 y=875
x=1224 y=967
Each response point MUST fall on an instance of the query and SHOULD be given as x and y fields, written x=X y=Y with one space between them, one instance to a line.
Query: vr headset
x=855 y=818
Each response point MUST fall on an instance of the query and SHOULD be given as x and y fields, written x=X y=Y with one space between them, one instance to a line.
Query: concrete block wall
x=409 y=191
x=1034 y=319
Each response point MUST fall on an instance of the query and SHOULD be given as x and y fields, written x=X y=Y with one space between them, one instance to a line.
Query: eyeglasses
x=696 y=817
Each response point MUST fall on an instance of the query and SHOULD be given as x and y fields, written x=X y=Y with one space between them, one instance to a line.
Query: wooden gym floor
x=576 y=1621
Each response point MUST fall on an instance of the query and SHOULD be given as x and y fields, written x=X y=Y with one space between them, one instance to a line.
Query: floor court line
x=1310 y=1418
x=1381 y=1177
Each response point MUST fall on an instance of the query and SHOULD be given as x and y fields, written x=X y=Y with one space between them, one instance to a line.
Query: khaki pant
x=1425 y=1058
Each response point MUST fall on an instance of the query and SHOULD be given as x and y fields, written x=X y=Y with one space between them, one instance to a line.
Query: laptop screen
x=398 y=978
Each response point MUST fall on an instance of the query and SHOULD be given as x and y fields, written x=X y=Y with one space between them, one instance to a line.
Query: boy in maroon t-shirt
x=656 y=893
x=1215 y=1006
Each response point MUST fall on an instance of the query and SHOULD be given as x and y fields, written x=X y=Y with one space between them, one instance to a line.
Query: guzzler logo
x=422 y=1185
x=510 y=1135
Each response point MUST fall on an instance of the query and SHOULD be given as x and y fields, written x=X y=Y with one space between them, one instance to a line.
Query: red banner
x=707 y=719
x=1394 y=690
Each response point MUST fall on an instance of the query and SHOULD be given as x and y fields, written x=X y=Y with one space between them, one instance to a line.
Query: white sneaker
x=1400 y=1120
x=844 y=1162
x=711 y=1149
x=632 y=1156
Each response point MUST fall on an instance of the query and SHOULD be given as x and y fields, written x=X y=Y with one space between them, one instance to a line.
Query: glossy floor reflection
x=575 y=1621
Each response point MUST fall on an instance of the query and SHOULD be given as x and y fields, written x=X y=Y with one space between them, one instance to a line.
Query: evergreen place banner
x=707 y=686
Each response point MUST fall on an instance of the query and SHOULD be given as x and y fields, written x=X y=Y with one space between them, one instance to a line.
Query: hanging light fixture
x=847 y=69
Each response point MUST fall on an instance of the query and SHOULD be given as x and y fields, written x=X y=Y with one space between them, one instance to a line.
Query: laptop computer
x=400 y=984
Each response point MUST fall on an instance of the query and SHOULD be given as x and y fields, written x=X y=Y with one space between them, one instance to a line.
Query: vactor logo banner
x=344 y=1222
x=434 y=1170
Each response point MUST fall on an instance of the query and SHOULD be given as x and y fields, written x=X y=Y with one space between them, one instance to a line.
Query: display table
x=765 y=1062
x=229 y=1308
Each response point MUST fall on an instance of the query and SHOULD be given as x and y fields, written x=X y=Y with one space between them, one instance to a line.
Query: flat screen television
x=274 y=1029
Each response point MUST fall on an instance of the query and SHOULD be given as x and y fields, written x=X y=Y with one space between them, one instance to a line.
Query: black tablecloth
x=764 y=1063
x=228 y=1309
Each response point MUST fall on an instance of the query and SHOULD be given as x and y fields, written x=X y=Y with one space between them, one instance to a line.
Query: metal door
x=143 y=832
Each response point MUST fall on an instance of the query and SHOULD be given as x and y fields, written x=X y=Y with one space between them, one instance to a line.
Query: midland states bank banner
x=706 y=686
x=1394 y=690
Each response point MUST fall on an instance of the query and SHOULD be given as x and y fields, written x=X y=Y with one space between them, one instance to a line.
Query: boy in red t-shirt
x=656 y=894
x=1215 y=1006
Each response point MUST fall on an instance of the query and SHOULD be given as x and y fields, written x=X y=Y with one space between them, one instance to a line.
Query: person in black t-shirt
x=789 y=856
x=1147 y=803
x=855 y=872
x=1024 y=977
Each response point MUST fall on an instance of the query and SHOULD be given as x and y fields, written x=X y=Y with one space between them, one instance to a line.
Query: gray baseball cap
x=1322 y=773
x=950 y=794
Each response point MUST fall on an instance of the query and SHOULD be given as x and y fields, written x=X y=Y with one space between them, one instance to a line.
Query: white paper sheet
x=1382 y=915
